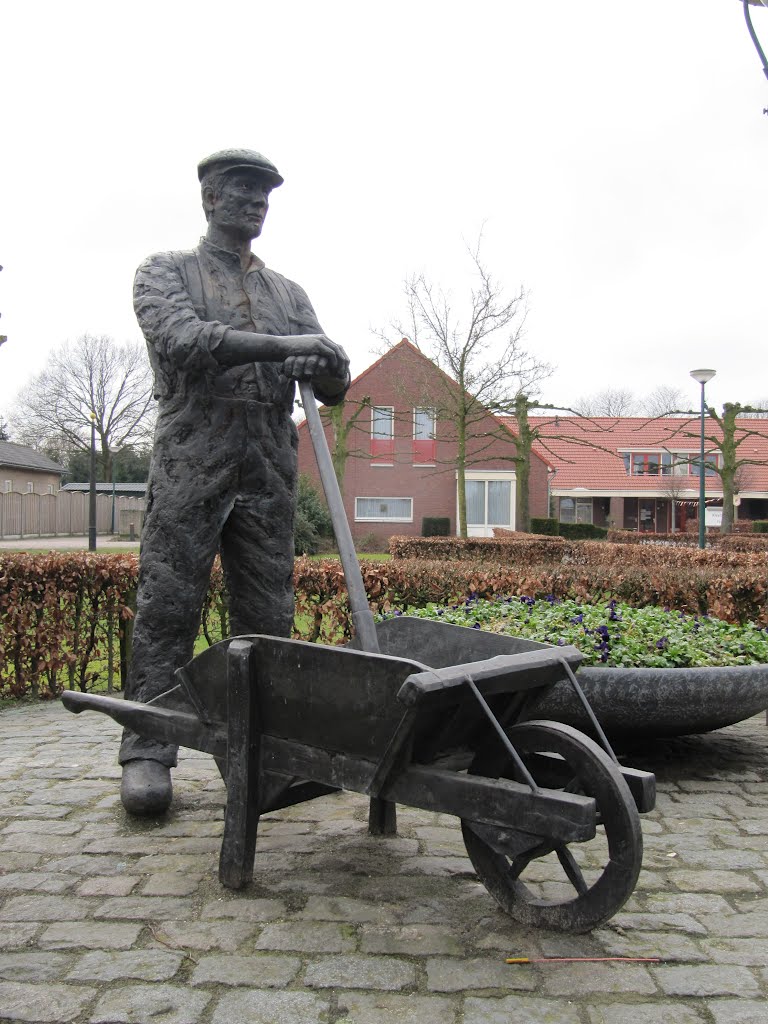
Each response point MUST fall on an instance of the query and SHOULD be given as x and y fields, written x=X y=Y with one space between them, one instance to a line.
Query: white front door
x=490 y=502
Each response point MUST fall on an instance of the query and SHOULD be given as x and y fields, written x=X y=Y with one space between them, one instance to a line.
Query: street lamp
x=702 y=376
x=92 y=492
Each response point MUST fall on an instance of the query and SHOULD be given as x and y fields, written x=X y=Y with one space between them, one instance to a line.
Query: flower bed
x=612 y=634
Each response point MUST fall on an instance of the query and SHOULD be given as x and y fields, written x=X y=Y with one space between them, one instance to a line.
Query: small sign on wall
x=713 y=517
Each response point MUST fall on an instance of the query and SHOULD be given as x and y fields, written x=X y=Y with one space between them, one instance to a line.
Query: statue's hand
x=316 y=356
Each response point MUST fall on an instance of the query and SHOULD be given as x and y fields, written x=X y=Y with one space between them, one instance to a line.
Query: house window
x=384 y=510
x=649 y=463
x=669 y=463
x=30 y=487
x=711 y=461
x=575 y=510
x=382 y=435
x=50 y=488
x=8 y=486
x=489 y=503
x=424 y=443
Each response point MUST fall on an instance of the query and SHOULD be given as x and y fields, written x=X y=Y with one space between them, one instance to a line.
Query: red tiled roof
x=587 y=452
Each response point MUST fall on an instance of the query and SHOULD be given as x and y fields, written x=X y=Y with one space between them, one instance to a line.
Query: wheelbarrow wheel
x=545 y=883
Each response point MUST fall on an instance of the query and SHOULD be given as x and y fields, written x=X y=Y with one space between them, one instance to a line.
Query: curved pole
x=362 y=618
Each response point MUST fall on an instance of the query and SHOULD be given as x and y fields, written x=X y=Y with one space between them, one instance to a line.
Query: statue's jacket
x=210 y=414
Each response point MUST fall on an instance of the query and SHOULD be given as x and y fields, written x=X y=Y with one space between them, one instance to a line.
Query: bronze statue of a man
x=227 y=338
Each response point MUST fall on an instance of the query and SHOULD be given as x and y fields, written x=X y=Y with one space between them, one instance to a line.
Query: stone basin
x=629 y=702
x=642 y=702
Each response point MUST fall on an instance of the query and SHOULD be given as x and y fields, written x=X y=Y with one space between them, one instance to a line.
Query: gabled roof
x=19 y=456
x=394 y=352
x=587 y=452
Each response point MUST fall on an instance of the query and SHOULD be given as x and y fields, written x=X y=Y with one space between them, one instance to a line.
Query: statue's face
x=241 y=205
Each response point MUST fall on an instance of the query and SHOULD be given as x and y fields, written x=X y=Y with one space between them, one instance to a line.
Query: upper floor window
x=711 y=462
x=382 y=435
x=648 y=463
x=30 y=487
x=8 y=486
x=668 y=463
x=424 y=443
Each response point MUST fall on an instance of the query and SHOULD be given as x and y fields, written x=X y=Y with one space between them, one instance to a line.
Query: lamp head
x=702 y=376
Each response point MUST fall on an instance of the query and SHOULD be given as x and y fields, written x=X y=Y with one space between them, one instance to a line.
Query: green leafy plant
x=611 y=634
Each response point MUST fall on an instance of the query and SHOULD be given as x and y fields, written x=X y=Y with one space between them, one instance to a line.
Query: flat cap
x=236 y=160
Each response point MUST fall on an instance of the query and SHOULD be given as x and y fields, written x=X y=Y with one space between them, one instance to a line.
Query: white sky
x=615 y=152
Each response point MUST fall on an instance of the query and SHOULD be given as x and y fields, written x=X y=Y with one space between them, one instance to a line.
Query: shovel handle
x=362 y=618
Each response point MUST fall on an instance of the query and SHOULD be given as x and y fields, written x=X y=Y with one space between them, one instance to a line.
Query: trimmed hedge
x=435 y=526
x=546 y=527
x=729 y=541
x=508 y=547
x=60 y=616
x=583 y=531
x=65 y=618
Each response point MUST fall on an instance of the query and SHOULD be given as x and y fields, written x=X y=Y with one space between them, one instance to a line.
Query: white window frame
x=432 y=435
x=383 y=437
x=30 y=487
x=382 y=518
x=486 y=476
x=577 y=500
x=8 y=487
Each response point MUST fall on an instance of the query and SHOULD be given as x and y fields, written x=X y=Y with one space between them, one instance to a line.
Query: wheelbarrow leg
x=382 y=817
x=241 y=818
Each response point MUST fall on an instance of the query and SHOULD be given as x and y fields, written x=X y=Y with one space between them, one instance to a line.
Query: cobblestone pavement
x=103 y=920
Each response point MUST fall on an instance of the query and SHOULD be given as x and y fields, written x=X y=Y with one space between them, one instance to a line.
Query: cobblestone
x=59 y=1004
x=144 y=964
x=267 y=971
x=104 y=920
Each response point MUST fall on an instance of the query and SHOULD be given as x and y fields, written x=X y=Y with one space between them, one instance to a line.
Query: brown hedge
x=63 y=616
x=61 y=620
x=738 y=541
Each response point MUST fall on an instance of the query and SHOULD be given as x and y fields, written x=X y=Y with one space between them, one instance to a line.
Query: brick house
x=639 y=474
x=401 y=465
x=26 y=471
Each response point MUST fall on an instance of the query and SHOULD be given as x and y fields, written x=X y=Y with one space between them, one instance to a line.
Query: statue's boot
x=146 y=788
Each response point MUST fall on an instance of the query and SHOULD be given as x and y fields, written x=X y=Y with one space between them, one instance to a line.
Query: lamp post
x=92 y=491
x=702 y=376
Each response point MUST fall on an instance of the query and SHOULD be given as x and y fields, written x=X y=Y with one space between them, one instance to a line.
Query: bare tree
x=341 y=429
x=91 y=375
x=662 y=401
x=760 y=405
x=572 y=428
x=478 y=346
x=726 y=439
x=613 y=402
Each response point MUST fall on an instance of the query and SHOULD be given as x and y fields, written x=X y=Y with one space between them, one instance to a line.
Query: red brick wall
x=404 y=379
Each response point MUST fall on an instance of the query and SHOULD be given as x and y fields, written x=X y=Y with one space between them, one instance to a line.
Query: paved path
x=66 y=544
x=106 y=920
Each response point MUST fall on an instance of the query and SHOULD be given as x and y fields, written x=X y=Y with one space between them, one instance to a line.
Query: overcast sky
x=617 y=154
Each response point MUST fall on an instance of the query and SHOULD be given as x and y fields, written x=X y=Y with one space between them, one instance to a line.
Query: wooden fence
x=65 y=514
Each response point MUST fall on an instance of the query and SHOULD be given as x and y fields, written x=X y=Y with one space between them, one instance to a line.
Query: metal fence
x=65 y=514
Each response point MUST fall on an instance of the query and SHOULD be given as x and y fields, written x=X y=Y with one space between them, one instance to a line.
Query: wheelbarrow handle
x=362 y=618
